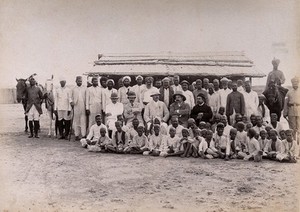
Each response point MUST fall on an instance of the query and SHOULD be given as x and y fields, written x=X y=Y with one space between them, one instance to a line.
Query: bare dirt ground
x=51 y=175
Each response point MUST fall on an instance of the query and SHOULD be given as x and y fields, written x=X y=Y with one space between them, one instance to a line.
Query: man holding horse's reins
x=33 y=96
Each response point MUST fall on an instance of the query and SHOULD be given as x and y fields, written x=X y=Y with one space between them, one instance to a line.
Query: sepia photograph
x=162 y=105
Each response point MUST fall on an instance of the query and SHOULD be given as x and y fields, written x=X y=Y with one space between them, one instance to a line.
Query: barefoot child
x=119 y=139
x=204 y=146
x=102 y=142
x=155 y=141
x=262 y=139
x=171 y=145
x=188 y=144
x=273 y=147
x=139 y=142
x=221 y=142
x=253 y=147
x=232 y=144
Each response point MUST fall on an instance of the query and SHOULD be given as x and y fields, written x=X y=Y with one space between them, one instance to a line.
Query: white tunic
x=62 y=99
x=251 y=102
x=106 y=97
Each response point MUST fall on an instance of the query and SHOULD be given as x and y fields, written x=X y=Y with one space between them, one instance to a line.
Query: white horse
x=49 y=102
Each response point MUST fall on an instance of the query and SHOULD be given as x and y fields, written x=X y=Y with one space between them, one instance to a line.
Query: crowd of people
x=218 y=119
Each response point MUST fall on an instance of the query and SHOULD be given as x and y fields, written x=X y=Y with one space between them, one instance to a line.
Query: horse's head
x=21 y=86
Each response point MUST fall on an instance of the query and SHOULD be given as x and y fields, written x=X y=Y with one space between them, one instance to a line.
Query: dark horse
x=21 y=89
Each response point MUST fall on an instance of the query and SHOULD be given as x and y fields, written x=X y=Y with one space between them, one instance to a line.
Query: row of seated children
x=241 y=144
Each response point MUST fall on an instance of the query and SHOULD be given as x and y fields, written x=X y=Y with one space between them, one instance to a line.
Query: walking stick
x=71 y=127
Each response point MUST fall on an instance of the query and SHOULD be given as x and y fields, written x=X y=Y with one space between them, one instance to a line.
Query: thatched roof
x=198 y=64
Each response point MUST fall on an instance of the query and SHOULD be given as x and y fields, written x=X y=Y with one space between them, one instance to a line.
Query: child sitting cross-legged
x=288 y=148
x=221 y=147
x=254 y=152
x=171 y=145
x=204 y=147
x=139 y=143
x=232 y=144
x=102 y=142
x=119 y=139
x=155 y=142
x=189 y=145
x=273 y=147
x=263 y=139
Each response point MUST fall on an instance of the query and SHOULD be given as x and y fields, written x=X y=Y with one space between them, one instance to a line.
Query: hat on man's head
x=78 y=77
x=155 y=93
x=180 y=94
x=126 y=77
x=224 y=79
x=202 y=96
x=166 y=79
x=131 y=94
x=114 y=96
x=184 y=82
x=149 y=79
x=275 y=61
x=139 y=77
x=110 y=80
x=220 y=124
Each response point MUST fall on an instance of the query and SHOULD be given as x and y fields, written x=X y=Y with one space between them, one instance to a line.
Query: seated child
x=221 y=142
x=273 y=147
x=268 y=129
x=94 y=133
x=232 y=144
x=133 y=130
x=190 y=145
x=193 y=129
x=171 y=145
x=119 y=139
x=204 y=146
x=288 y=148
x=155 y=141
x=282 y=135
x=254 y=151
x=241 y=138
x=102 y=142
x=139 y=142
x=262 y=139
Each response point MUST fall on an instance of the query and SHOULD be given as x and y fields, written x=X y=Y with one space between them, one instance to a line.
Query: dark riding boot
x=36 y=129
x=31 y=129
x=67 y=128
x=61 y=129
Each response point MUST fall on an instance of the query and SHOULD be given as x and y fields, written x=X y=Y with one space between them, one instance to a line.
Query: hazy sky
x=64 y=36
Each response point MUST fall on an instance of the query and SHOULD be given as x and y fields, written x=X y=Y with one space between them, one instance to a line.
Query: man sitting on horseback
x=33 y=97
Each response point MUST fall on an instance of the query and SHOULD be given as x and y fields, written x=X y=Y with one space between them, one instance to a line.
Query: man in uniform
x=33 y=97
x=292 y=106
x=93 y=101
x=78 y=103
x=62 y=107
x=276 y=74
